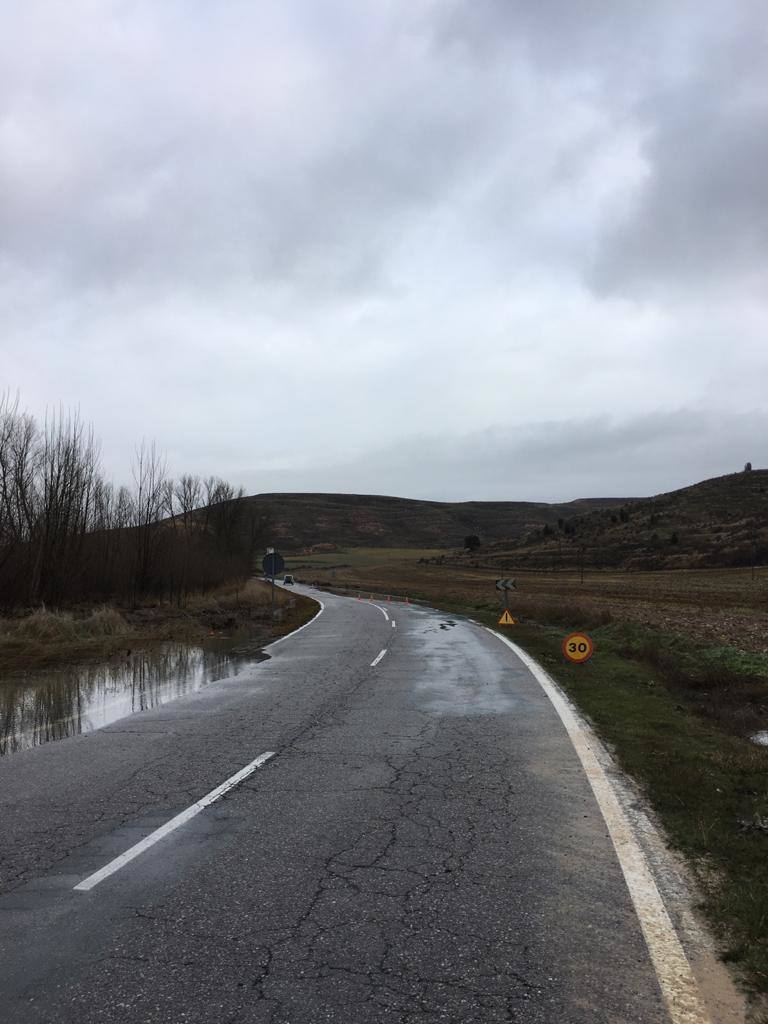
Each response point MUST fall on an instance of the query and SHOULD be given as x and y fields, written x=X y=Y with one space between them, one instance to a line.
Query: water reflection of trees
x=51 y=704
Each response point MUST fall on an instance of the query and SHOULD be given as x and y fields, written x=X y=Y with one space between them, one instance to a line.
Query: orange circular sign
x=578 y=647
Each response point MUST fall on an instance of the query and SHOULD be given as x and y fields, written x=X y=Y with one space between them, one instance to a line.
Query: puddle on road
x=462 y=677
x=46 y=704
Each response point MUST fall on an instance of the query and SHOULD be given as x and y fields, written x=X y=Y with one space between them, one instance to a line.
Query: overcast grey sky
x=437 y=248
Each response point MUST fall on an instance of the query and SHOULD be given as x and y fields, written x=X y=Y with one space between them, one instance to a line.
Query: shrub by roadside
x=45 y=626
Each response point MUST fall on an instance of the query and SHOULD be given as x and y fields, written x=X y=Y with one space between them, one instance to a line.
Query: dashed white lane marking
x=394 y=624
x=295 y=631
x=180 y=819
x=676 y=980
x=383 y=611
x=378 y=658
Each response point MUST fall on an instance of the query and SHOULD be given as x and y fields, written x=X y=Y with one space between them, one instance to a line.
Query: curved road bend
x=423 y=847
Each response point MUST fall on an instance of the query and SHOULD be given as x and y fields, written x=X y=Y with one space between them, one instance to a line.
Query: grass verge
x=708 y=785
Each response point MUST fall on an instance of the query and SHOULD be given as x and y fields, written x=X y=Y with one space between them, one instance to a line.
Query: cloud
x=699 y=219
x=175 y=153
x=548 y=461
x=297 y=239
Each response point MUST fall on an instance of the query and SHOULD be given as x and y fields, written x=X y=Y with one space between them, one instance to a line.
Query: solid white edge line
x=378 y=658
x=383 y=611
x=180 y=819
x=295 y=631
x=676 y=980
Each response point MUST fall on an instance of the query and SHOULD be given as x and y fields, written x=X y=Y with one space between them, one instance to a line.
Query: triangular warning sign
x=507 y=620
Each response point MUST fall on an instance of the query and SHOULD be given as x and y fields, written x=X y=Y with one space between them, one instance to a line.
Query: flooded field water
x=46 y=704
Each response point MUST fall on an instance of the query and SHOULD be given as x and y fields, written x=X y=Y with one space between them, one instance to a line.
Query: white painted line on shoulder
x=378 y=658
x=676 y=980
x=295 y=631
x=180 y=819
x=383 y=611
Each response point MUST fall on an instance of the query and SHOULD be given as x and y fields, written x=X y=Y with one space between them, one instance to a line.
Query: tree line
x=67 y=534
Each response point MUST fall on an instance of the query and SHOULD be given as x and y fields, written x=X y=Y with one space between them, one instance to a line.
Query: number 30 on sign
x=578 y=647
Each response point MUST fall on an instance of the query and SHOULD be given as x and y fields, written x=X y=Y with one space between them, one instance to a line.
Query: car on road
x=288 y=580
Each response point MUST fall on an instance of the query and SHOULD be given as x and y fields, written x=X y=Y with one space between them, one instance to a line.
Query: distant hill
x=301 y=521
x=718 y=522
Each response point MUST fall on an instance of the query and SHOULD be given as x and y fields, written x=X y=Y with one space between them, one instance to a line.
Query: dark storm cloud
x=691 y=80
x=701 y=217
x=590 y=34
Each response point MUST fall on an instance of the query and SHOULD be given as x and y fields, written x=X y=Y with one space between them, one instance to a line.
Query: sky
x=445 y=249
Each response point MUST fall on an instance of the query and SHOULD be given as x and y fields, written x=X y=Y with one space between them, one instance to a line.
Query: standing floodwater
x=52 y=703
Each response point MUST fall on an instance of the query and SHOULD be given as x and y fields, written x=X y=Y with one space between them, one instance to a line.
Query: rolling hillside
x=302 y=521
x=718 y=522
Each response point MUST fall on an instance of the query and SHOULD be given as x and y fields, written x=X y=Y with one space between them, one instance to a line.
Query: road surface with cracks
x=423 y=846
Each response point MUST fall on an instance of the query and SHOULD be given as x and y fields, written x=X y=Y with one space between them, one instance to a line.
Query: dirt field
x=716 y=606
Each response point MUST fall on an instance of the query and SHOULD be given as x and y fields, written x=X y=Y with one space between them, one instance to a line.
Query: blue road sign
x=272 y=564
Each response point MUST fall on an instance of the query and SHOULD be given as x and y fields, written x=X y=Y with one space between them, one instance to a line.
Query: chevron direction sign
x=505 y=584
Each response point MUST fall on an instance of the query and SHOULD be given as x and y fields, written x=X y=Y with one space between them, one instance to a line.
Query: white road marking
x=180 y=819
x=295 y=631
x=673 y=971
x=383 y=611
x=378 y=658
x=394 y=624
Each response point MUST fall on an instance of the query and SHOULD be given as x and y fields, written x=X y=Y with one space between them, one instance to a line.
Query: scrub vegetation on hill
x=309 y=521
x=718 y=522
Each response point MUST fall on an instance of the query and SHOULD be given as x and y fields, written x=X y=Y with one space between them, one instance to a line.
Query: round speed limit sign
x=578 y=647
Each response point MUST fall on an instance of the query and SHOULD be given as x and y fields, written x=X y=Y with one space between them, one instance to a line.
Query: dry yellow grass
x=46 y=636
x=45 y=626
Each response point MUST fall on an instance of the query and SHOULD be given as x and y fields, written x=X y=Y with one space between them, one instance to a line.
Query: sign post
x=505 y=586
x=272 y=563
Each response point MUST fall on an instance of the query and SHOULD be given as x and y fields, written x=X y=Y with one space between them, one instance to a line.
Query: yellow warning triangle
x=507 y=620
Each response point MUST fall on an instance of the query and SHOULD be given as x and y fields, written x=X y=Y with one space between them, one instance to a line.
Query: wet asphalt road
x=424 y=847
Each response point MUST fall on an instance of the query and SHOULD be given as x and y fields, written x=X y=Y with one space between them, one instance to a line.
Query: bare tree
x=189 y=496
x=148 y=477
x=66 y=533
x=67 y=471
